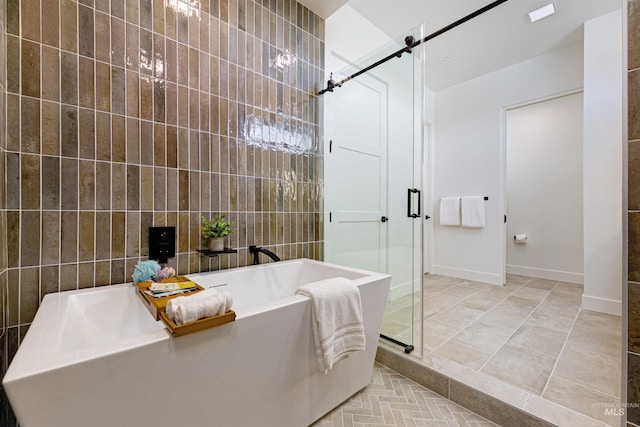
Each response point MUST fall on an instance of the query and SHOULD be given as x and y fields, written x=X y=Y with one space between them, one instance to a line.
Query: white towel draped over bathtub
x=206 y=303
x=472 y=212
x=336 y=319
x=450 y=211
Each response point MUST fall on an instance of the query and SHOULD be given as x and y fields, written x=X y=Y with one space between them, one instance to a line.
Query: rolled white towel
x=228 y=301
x=173 y=304
x=203 y=304
x=192 y=311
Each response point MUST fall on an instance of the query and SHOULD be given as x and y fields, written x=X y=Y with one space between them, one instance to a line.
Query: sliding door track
x=407 y=347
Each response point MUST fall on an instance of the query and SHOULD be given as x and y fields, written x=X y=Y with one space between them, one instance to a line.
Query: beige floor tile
x=403 y=315
x=502 y=290
x=558 y=304
x=483 y=301
x=538 y=338
x=433 y=287
x=486 y=338
x=504 y=318
x=591 y=370
x=462 y=354
x=392 y=328
x=521 y=367
x=564 y=296
x=595 y=340
x=552 y=319
x=456 y=316
x=515 y=280
x=581 y=399
x=543 y=312
x=452 y=281
x=436 y=334
x=603 y=321
x=569 y=288
x=518 y=303
x=399 y=303
x=534 y=294
x=541 y=284
x=437 y=303
x=475 y=285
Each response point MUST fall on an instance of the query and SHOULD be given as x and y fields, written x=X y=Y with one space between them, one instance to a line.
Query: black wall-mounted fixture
x=410 y=43
x=162 y=243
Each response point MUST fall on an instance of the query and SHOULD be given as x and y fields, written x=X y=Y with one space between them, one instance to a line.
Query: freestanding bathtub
x=96 y=357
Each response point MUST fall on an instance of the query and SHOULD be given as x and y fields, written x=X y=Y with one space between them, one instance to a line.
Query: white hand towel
x=473 y=212
x=336 y=319
x=450 y=211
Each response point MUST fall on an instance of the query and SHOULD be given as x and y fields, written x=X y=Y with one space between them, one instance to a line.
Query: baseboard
x=476 y=276
x=541 y=273
x=602 y=305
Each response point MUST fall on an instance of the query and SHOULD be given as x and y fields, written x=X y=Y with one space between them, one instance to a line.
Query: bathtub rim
x=367 y=277
x=43 y=334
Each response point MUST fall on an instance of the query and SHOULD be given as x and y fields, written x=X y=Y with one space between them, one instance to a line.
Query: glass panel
x=373 y=176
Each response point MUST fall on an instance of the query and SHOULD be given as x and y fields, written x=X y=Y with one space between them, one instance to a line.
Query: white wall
x=603 y=63
x=544 y=189
x=468 y=154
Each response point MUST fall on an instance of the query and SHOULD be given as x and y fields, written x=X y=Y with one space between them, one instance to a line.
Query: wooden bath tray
x=198 y=325
x=157 y=307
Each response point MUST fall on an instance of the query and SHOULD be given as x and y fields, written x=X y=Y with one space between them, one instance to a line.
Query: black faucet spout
x=255 y=250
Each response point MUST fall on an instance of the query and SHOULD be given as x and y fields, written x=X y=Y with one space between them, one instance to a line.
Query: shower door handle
x=410 y=213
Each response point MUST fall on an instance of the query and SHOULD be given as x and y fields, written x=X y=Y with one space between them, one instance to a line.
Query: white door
x=356 y=174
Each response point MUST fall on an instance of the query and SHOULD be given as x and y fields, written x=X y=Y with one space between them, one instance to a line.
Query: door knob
x=384 y=219
x=427 y=217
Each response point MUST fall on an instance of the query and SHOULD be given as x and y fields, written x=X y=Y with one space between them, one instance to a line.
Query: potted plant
x=215 y=230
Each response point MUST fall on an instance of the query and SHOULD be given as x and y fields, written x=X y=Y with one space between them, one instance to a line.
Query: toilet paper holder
x=520 y=238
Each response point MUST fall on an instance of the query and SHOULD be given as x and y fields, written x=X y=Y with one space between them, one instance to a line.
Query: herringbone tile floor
x=393 y=400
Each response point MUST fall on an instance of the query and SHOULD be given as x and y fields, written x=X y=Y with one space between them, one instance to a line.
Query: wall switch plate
x=162 y=243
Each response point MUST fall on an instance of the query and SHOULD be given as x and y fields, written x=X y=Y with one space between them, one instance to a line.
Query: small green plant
x=216 y=227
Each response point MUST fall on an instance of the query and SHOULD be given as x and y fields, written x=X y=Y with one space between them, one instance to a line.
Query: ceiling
x=494 y=40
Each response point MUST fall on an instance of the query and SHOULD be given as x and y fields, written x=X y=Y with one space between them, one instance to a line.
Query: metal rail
x=410 y=43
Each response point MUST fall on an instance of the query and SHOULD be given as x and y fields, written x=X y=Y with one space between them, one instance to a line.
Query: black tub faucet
x=255 y=250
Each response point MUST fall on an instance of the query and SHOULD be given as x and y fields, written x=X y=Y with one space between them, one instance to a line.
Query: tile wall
x=3 y=216
x=633 y=295
x=123 y=114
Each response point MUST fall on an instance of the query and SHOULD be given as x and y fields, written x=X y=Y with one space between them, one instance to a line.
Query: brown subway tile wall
x=633 y=218
x=6 y=416
x=125 y=114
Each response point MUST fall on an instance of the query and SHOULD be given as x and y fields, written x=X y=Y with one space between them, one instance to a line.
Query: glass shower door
x=373 y=175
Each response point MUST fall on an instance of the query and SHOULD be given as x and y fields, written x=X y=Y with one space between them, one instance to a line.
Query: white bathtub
x=96 y=357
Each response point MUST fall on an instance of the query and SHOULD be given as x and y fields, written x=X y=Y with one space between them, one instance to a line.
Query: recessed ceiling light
x=543 y=12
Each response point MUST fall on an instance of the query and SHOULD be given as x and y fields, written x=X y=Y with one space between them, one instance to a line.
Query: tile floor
x=529 y=342
x=393 y=400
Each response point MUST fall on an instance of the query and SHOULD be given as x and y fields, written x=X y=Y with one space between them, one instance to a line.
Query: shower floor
x=528 y=343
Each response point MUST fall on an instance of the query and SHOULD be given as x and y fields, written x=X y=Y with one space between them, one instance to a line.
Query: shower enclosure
x=373 y=176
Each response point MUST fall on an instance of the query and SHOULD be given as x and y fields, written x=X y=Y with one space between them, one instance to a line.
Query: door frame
x=503 y=165
x=428 y=191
